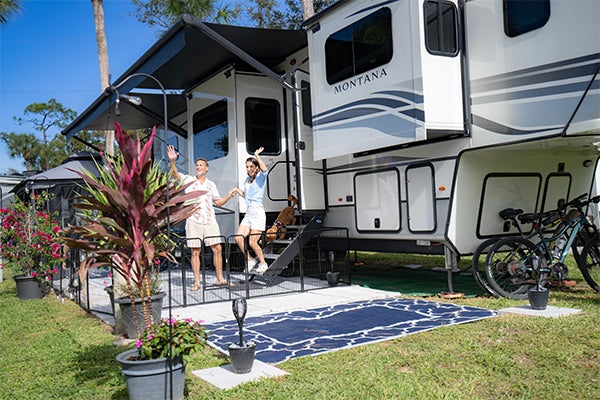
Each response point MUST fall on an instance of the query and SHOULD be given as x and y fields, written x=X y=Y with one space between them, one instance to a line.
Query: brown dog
x=286 y=217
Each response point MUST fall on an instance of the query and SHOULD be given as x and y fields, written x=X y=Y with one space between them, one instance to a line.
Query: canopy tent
x=7 y=183
x=63 y=182
x=190 y=52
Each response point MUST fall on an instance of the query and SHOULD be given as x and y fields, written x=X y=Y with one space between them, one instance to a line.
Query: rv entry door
x=309 y=173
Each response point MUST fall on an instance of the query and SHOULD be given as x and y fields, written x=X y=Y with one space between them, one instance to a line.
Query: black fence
x=306 y=271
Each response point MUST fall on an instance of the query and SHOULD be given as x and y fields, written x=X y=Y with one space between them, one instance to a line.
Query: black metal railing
x=306 y=271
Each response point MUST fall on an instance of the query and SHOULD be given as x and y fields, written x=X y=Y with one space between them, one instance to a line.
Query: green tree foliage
x=165 y=13
x=266 y=14
x=9 y=9
x=45 y=116
x=52 y=148
x=275 y=14
x=24 y=145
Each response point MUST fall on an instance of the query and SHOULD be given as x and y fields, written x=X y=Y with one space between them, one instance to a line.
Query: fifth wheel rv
x=410 y=123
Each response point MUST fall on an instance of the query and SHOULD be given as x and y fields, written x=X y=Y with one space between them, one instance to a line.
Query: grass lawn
x=54 y=350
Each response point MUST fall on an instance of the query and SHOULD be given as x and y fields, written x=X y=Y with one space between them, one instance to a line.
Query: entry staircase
x=280 y=253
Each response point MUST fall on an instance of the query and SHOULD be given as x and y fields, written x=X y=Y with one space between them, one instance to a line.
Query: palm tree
x=308 y=9
x=103 y=62
x=8 y=9
x=24 y=145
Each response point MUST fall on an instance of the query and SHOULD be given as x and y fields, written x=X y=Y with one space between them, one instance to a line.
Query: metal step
x=271 y=256
x=292 y=248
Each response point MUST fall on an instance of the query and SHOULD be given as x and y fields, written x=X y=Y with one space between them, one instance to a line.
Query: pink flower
x=138 y=343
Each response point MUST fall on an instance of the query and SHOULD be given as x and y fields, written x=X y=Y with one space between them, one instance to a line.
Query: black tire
x=585 y=234
x=478 y=266
x=508 y=267
x=589 y=264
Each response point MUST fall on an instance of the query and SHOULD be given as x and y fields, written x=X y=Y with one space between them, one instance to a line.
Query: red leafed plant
x=125 y=215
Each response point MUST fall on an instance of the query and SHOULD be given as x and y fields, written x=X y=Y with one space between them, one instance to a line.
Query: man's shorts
x=195 y=231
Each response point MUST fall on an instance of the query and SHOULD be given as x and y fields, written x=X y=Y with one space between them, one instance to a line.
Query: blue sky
x=49 y=51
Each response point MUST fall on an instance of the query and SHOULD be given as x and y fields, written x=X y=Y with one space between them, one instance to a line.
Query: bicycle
x=509 y=215
x=589 y=263
x=509 y=264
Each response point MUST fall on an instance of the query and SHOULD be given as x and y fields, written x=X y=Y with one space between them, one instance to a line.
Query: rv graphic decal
x=385 y=114
x=360 y=80
x=526 y=96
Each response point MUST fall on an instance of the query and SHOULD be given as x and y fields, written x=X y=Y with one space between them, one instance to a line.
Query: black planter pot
x=29 y=287
x=129 y=318
x=241 y=357
x=333 y=278
x=151 y=379
x=538 y=298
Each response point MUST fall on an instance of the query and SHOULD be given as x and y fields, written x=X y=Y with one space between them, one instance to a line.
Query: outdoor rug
x=286 y=335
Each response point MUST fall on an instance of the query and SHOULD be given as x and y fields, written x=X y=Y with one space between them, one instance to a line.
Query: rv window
x=263 y=126
x=441 y=37
x=211 y=133
x=306 y=104
x=522 y=16
x=360 y=47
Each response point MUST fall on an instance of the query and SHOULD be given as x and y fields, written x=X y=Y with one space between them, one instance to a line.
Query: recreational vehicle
x=410 y=123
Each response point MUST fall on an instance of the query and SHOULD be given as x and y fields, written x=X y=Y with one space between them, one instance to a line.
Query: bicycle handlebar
x=577 y=202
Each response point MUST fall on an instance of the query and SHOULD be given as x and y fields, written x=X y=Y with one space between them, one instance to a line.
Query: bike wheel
x=589 y=264
x=509 y=269
x=478 y=266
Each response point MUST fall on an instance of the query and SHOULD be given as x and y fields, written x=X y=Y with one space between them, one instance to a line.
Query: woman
x=254 y=222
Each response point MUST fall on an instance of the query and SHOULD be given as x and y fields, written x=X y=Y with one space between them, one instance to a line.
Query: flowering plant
x=29 y=239
x=179 y=337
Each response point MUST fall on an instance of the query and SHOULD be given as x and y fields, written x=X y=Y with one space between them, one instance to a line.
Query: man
x=203 y=224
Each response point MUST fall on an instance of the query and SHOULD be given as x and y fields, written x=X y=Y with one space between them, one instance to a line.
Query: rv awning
x=188 y=53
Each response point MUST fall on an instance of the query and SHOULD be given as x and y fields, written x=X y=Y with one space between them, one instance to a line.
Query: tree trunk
x=308 y=9
x=103 y=63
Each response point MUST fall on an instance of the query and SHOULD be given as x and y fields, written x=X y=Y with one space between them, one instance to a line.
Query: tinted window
x=441 y=28
x=306 y=103
x=211 y=134
x=360 y=47
x=263 y=126
x=522 y=16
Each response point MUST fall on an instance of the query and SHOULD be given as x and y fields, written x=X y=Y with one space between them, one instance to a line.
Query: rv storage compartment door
x=420 y=195
x=377 y=197
x=501 y=190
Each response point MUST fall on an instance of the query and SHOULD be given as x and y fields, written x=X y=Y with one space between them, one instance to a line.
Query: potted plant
x=125 y=213
x=155 y=369
x=147 y=299
x=30 y=244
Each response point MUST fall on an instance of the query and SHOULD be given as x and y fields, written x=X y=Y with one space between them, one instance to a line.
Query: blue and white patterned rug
x=285 y=335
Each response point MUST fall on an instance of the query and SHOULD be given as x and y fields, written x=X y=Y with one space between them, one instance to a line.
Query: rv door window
x=441 y=30
x=359 y=47
x=306 y=104
x=263 y=126
x=211 y=132
x=522 y=16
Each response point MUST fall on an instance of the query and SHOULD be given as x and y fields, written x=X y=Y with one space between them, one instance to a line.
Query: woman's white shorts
x=255 y=218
